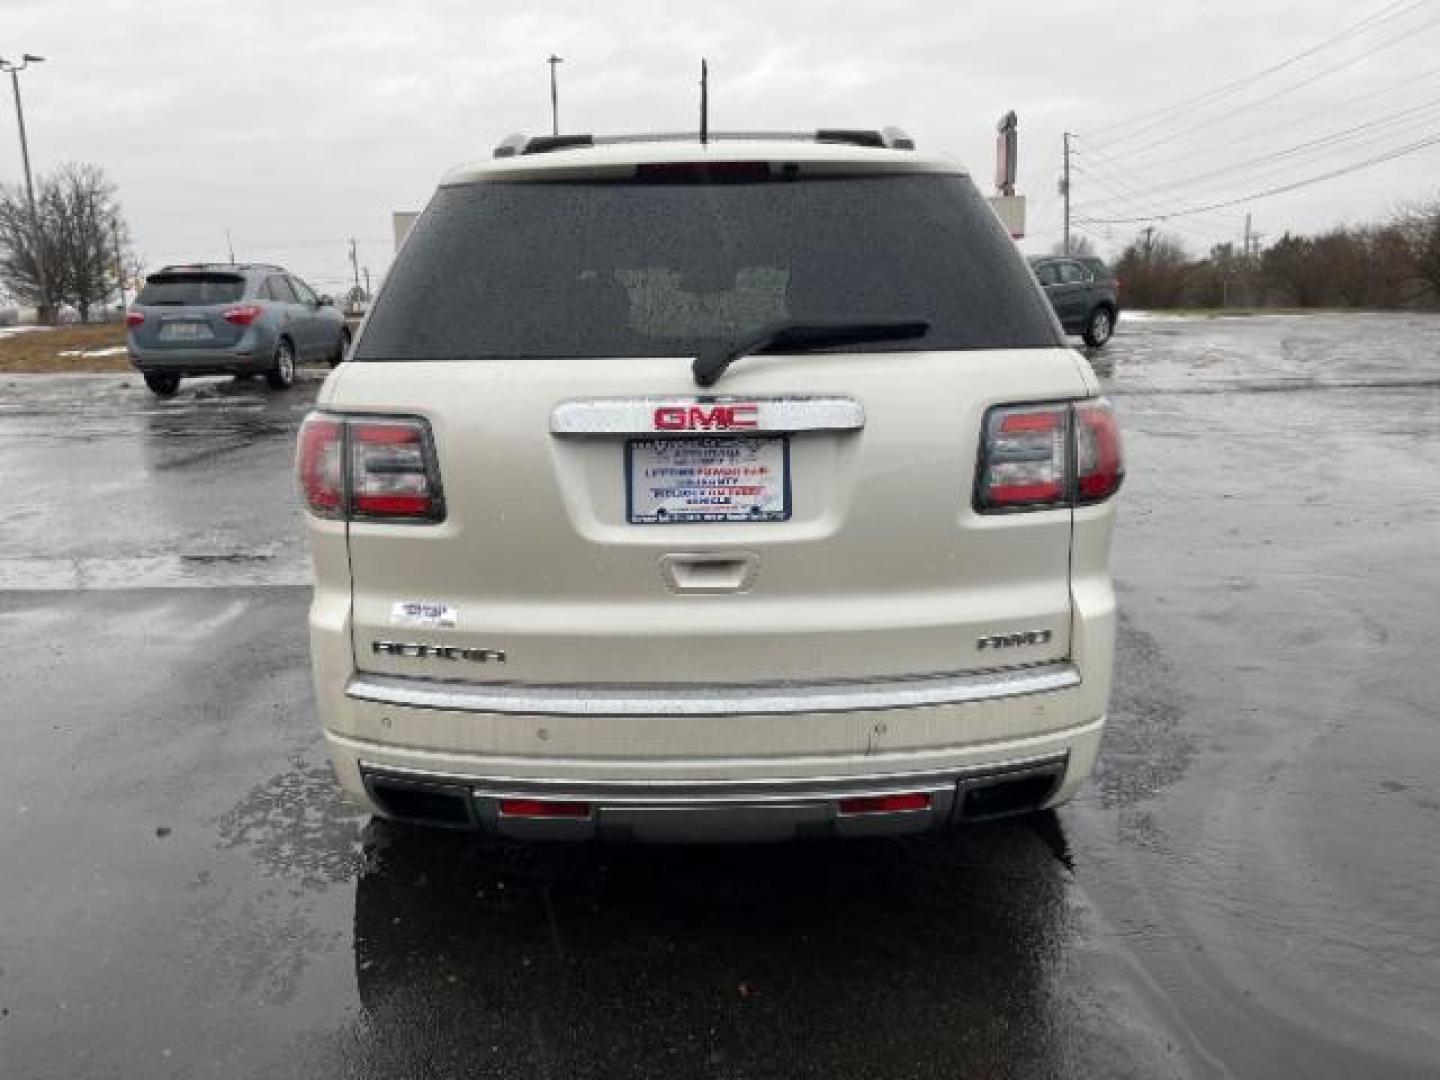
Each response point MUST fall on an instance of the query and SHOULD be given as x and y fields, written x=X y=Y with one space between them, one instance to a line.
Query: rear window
x=191 y=289
x=644 y=268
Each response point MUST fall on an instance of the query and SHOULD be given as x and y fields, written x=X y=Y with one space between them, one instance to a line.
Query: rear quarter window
x=643 y=268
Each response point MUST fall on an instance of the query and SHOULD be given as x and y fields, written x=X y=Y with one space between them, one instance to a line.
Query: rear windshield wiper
x=801 y=337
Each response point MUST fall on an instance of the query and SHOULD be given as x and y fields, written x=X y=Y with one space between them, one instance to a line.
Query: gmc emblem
x=700 y=418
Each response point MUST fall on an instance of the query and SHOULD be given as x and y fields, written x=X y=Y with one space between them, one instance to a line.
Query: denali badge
x=1010 y=641
x=438 y=652
x=699 y=418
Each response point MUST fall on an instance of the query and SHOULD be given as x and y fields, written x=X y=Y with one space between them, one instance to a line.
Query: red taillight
x=886 y=804
x=319 y=465
x=1037 y=457
x=392 y=473
x=369 y=469
x=243 y=315
x=543 y=808
x=1023 y=464
x=1099 y=453
x=134 y=318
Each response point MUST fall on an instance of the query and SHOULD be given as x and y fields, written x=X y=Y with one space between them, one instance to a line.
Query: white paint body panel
x=884 y=570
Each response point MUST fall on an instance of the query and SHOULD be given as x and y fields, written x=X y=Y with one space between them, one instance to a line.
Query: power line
x=1198 y=230
x=1137 y=189
x=1288 y=123
x=1219 y=93
x=1249 y=106
x=1363 y=134
x=1130 y=192
x=1391 y=155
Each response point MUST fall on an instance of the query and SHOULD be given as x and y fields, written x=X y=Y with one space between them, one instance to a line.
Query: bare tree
x=81 y=239
x=28 y=256
x=1155 y=269
x=1419 y=226
x=91 y=235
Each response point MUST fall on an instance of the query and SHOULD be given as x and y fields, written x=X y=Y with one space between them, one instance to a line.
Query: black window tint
x=1048 y=273
x=302 y=290
x=597 y=268
x=191 y=289
x=279 y=289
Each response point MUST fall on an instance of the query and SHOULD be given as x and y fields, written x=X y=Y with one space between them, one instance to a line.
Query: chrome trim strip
x=707 y=792
x=773 y=699
x=636 y=416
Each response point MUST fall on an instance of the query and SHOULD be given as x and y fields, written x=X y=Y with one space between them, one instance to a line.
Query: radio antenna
x=704 y=102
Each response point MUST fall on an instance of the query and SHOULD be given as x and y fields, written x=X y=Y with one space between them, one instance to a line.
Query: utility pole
x=367 y=283
x=119 y=261
x=1245 y=259
x=1065 y=191
x=554 y=62
x=230 y=247
x=355 y=264
x=704 y=102
x=41 y=277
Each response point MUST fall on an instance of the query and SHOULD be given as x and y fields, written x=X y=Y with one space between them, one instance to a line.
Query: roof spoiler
x=889 y=138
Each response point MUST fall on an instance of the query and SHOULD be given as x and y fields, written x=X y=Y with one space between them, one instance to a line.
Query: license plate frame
x=187 y=330
x=693 y=498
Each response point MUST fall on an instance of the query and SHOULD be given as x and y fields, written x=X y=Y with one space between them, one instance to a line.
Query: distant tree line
x=76 y=255
x=1394 y=265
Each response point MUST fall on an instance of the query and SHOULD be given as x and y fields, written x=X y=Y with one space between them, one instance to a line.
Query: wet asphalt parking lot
x=1250 y=887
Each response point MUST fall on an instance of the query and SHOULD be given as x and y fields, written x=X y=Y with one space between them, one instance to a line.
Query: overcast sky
x=298 y=125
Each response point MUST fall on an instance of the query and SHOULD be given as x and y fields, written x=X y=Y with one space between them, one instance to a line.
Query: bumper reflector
x=886 y=804
x=543 y=808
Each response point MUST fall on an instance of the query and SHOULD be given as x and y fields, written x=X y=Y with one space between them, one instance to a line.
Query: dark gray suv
x=221 y=319
x=1084 y=294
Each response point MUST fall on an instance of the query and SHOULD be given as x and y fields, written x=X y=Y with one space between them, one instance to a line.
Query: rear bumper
x=250 y=353
x=780 y=699
x=604 y=800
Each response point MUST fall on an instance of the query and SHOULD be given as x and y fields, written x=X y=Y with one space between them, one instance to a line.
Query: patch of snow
x=6 y=331
x=112 y=350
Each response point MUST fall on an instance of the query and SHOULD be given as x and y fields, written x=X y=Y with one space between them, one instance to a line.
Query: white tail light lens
x=369 y=469
x=1037 y=457
x=319 y=465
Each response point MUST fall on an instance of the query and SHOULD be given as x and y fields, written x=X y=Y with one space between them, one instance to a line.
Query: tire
x=162 y=385
x=1099 y=327
x=282 y=375
x=339 y=356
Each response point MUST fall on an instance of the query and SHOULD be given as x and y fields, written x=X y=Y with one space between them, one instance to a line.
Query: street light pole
x=554 y=62
x=37 y=239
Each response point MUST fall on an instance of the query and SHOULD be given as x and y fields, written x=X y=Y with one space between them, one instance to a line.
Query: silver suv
x=223 y=319
x=737 y=490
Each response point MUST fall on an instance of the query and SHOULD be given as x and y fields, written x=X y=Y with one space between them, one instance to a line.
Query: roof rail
x=889 y=138
x=169 y=267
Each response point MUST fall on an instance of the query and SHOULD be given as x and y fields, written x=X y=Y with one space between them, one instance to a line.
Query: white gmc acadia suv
x=735 y=490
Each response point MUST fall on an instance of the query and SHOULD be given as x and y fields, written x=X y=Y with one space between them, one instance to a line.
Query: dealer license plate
x=730 y=478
